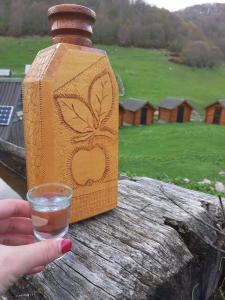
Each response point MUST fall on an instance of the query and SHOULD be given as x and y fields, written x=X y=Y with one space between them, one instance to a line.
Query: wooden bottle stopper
x=72 y=24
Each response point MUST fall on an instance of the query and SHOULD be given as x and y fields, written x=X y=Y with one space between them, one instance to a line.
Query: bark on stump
x=150 y=247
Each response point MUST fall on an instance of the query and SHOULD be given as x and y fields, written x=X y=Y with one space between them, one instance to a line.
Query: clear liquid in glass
x=50 y=216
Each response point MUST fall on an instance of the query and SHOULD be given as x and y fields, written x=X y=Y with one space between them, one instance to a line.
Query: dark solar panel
x=5 y=114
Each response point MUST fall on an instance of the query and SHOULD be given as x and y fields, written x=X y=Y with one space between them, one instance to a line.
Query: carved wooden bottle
x=71 y=115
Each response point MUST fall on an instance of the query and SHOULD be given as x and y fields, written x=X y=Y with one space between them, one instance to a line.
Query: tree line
x=121 y=22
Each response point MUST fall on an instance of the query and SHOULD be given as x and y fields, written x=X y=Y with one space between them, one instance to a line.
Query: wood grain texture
x=71 y=24
x=146 y=248
x=71 y=126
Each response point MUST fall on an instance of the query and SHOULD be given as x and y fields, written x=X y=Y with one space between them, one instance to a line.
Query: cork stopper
x=71 y=24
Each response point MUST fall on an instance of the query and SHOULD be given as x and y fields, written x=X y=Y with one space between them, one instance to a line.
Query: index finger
x=14 y=208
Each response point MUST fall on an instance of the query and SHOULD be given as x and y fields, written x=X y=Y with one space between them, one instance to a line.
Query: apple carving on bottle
x=89 y=165
x=87 y=119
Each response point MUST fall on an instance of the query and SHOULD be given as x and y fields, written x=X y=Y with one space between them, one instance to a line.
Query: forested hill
x=197 y=33
x=210 y=19
x=121 y=22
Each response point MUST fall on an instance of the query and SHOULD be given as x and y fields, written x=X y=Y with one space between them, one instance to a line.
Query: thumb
x=39 y=254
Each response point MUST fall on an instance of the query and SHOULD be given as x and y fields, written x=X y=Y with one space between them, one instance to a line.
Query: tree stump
x=158 y=244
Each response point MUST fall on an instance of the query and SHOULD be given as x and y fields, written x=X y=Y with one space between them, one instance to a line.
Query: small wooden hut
x=138 y=112
x=121 y=115
x=11 y=114
x=174 y=110
x=215 y=112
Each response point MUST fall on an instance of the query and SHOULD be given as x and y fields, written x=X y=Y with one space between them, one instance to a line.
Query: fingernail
x=66 y=246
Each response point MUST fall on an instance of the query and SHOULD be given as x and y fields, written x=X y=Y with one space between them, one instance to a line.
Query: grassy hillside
x=146 y=74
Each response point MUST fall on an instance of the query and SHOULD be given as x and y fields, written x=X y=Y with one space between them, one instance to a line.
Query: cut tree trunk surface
x=155 y=245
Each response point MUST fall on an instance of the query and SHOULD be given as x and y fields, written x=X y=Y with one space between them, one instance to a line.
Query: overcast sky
x=178 y=4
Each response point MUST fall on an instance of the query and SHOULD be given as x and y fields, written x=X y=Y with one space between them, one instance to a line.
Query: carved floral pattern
x=87 y=120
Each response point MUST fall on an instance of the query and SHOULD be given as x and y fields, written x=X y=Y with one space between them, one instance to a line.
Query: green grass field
x=194 y=150
x=169 y=152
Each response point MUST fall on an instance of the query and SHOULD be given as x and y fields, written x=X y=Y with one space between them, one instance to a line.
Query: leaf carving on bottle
x=100 y=97
x=87 y=118
x=77 y=115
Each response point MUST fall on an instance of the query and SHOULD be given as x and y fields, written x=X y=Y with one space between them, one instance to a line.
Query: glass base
x=42 y=236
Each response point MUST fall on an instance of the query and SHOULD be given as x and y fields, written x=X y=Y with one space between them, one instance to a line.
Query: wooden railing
x=13 y=157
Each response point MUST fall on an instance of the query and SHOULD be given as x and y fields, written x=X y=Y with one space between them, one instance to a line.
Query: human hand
x=19 y=255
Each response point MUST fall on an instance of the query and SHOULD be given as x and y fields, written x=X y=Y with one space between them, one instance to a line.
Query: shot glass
x=50 y=210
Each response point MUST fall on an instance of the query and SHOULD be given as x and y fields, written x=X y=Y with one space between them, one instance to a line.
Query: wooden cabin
x=174 y=110
x=215 y=112
x=138 y=112
x=121 y=115
x=11 y=114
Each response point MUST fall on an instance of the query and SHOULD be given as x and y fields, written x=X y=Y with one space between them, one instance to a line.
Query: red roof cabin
x=215 y=113
x=138 y=112
x=121 y=115
x=173 y=110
